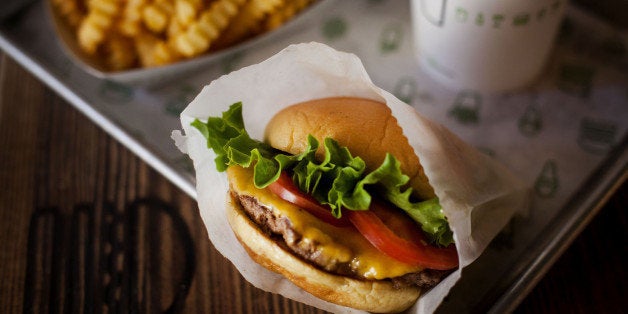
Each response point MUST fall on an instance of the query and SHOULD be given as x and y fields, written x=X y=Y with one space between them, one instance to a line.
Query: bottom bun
x=369 y=295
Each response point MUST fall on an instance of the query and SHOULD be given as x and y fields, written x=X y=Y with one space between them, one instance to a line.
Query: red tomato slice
x=406 y=244
x=285 y=188
x=410 y=249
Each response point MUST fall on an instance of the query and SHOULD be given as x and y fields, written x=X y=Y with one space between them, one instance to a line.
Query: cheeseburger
x=335 y=200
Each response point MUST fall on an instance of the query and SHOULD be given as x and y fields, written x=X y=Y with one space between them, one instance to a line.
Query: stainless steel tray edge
x=573 y=217
x=511 y=289
x=113 y=129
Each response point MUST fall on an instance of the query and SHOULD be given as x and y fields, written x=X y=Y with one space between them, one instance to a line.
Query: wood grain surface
x=88 y=227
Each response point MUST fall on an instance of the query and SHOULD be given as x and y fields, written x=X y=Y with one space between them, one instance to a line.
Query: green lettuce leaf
x=429 y=214
x=339 y=180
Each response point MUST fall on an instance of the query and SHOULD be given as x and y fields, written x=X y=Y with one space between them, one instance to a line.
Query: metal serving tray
x=565 y=136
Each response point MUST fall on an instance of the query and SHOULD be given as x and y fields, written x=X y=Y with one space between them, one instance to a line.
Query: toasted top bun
x=365 y=126
x=377 y=296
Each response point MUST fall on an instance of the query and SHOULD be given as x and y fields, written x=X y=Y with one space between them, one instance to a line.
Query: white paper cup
x=485 y=45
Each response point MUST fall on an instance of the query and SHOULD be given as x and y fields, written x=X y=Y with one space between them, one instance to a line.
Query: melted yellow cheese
x=345 y=245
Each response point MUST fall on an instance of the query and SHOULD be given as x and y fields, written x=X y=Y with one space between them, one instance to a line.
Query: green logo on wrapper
x=546 y=183
x=466 y=107
x=334 y=28
x=497 y=19
x=596 y=136
x=531 y=122
x=521 y=19
x=391 y=38
x=462 y=15
x=406 y=89
x=115 y=92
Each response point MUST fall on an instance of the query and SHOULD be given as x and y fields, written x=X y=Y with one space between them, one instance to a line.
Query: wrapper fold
x=477 y=194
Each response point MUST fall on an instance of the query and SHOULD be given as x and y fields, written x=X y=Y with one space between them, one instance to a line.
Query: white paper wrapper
x=477 y=194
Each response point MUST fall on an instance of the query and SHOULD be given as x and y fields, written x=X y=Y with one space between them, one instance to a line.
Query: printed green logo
x=391 y=38
x=334 y=28
x=462 y=15
x=547 y=182
x=498 y=19
x=596 y=136
x=479 y=19
x=521 y=19
x=175 y=105
x=406 y=89
x=115 y=92
x=576 y=79
x=466 y=108
x=531 y=122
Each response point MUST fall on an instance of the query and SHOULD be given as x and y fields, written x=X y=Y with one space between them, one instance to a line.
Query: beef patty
x=281 y=229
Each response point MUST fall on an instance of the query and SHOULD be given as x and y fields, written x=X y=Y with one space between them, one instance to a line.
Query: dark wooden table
x=86 y=226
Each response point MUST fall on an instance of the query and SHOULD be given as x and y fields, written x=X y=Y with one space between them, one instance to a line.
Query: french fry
x=153 y=51
x=108 y=7
x=145 y=33
x=186 y=11
x=155 y=17
x=70 y=11
x=199 y=36
x=174 y=29
x=120 y=52
x=249 y=19
x=91 y=31
x=130 y=23
x=284 y=13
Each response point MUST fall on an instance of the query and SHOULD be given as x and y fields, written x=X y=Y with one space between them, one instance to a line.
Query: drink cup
x=485 y=45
